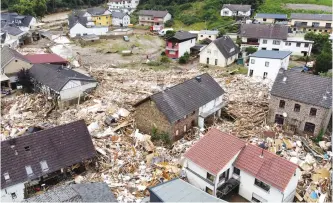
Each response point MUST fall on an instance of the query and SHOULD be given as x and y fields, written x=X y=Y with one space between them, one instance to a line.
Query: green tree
x=169 y=34
x=222 y=32
x=319 y=41
x=184 y=59
x=169 y=23
x=250 y=50
x=323 y=63
x=36 y=8
x=24 y=78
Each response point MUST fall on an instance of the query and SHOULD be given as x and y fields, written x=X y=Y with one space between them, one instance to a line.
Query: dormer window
x=6 y=176
x=29 y=171
x=44 y=166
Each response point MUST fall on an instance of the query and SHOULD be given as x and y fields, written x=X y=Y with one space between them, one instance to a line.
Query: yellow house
x=100 y=16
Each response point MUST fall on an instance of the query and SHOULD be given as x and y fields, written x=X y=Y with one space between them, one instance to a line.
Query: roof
x=96 y=11
x=8 y=54
x=271 y=54
x=156 y=14
x=10 y=17
x=269 y=168
x=264 y=31
x=12 y=30
x=308 y=16
x=303 y=87
x=214 y=150
x=118 y=15
x=271 y=15
x=177 y=190
x=56 y=76
x=209 y=32
x=86 y=192
x=45 y=58
x=226 y=46
x=182 y=99
x=182 y=36
x=237 y=7
x=73 y=19
x=60 y=147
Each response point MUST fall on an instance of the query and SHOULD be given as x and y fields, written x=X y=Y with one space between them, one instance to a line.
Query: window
x=288 y=43
x=209 y=36
x=252 y=61
x=209 y=51
x=177 y=132
x=309 y=29
x=276 y=42
x=313 y=112
x=297 y=108
x=236 y=171
x=44 y=166
x=262 y=185
x=6 y=176
x=263 y=48
x=315 y=30
x=264 y=41
x=309 y=127
x=210 y=177
x=306 y=45
x=325 y=30
x=267 y=64
x=215 y=62
x=209 y=191
x=282 y=104
x=15 y=60
x=185 y=128
x=320 y=30
x=255 y=199
x=13 y=195
x=191 y=40
x=265 y=75
x=222 y=176
x=207 y=61
x=27 y=148
x=298 y=44
x=264 y=19
x=251 y=73
x=29 y=171
x=193 y=112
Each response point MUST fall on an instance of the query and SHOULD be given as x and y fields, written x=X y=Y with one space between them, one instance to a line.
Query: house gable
x=15 y=65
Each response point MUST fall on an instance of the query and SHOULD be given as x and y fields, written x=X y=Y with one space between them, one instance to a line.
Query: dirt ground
x=55 y=17
x=309 y=7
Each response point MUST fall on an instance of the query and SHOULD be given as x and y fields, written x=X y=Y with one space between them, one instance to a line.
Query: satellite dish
x=284 y=114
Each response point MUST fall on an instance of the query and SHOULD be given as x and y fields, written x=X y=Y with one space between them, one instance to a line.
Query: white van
x=163 y=31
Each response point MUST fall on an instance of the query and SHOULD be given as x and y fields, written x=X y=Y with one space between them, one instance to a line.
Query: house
x=208 y=34
x=24 y=22
x=46 y=58
x=33 y=159
x=15 y=34
x=79 y=25
x=305 y=22
x=179 y=44
x=271 y=18
x=177 y=109
x=154 y=19
x=221 y=164
x=124 y=6
x=220 y=52
x=177 y=190
x=120 y=19
x=84 y=192
x=239 y=10
x=100 y=16
x=11 y=63
x=60 y=82
x=273 y=37
x=266 y=64
x=300 y=101
x=6 y=40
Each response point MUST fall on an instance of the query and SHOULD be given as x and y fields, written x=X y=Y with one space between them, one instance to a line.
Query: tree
x=323 y=63
x=184 y=59
x=169 y=23
x=250 y=50
x=24 y=78
x=36 y=8
x=221 y=32
x=319 y=41
x=169 y=34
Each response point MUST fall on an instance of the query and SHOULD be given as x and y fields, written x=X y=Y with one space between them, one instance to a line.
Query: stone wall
x=299 y=119
x=190 y=121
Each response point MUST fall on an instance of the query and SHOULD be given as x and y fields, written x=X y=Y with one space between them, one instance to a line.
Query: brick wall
x=190 y=121
x=299 y=119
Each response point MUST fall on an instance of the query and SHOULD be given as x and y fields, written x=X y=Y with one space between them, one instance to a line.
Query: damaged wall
x=189 y=121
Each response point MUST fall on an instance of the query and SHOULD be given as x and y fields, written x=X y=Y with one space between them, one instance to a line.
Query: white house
x=220 y=52
x=124 y=6
x=208 y=34
x=79 y=25
x=220 y=163
x=7 y=40
x=266 y=64
x=271 y=18
x=306 y=22
x=120 y=19
x=179 y=44
x=23 y=22
x=155 y=19
x=239 y=10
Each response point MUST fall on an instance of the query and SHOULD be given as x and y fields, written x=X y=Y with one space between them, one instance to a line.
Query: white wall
x=125 y=21
x=226 y=10
x=247 y=13
x=74 y=88
x=268 y=20
x=291 y=187
x=284 y=47
x=167 y=17
x=204 y=36
x=18 y=189
x=225 y=168
x=194 y=179
x=185 y=47
x=236 y=13
x=210 y=105
x=269 y=45
x=213 y=53
x=80 y=29
x=123 y=5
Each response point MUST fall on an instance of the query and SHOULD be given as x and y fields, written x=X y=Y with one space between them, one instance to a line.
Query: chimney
x=198 y=78
x=262 y=153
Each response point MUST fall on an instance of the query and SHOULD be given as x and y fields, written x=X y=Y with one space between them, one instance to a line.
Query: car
x=126 y=38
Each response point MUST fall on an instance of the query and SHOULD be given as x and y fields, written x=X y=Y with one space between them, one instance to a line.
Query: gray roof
x=271 y=54
x=12 y=30
x=182 y=99
x=209 y=32
x=86 y=192
x=304 y=88
x=264 y=31
x=226 y=46
x=237 y=7
x=177 y=190
x=118 y=15
x=79 y=13
x=96 y=10
x=308 y=16
x=56 y=76
x=182 y=36
x=76 y=18
x=8 y=54
x=157 y=14
x=10 y=17
x=271 y=15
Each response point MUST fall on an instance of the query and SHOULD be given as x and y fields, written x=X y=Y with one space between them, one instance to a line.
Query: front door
x=227 y=175
x=207 y=60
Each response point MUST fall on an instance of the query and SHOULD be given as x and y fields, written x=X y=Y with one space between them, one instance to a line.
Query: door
x=215 y=62
x=227 y=175
x=251 y=73
x=265 y=75
x=279 y=119
x=207 y=60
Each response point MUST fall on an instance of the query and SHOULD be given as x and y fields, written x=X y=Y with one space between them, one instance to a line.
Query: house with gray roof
x=124 y=6
x=301 y=102
x=266 y=64
x=30 y=160
x=239 y=10
x=208 y=34
x=177 y=109
x=23 y=22
x=120 y=19
x=271 y=18
x=179 y=44
x=306 y=22
x=220 y=52
x=154 y=19
x=60 y=82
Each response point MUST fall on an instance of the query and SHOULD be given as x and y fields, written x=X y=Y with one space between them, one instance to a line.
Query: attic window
x=27 y=148
x=6 y=176
x=44 y=166
x=231 y=50
x=29 y=171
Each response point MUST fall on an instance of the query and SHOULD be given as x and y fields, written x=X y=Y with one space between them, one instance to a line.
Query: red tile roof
x=214 y=150
x=45 y=58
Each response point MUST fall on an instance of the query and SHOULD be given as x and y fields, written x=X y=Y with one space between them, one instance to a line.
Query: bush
x=189 y=19
x=169 y=23
x=24 y=78
x=169 y=34
x=163 y=53
x=184 y=59
x=250 y=50
x=154 y=63
x=164 y=59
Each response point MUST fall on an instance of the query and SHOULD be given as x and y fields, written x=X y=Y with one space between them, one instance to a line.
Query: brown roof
x=45 y=58
x=269 y=168
x=60 y=147
x=156 y=14
x=214 y=150
x=264 y=31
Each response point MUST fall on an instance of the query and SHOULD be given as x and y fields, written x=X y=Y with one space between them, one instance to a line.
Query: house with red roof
x=223 y=165
x=46 y=58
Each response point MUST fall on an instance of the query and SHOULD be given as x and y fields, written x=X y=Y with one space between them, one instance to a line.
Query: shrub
x=164 y=59
x=169 y=23
x=154 y=63
x=250 y=50
x=163 y=53
x=184 y=59
x=169 y=34
x=24 y=78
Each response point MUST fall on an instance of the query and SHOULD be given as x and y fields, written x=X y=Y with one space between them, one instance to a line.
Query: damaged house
x=301 y=102
x=60 y=82
x=224 y=165
x=177 y=109
x=42 y=158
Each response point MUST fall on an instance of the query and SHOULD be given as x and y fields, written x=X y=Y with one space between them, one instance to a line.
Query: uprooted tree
x=24 y=78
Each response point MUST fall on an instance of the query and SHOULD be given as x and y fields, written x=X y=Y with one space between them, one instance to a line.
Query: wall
x=283 y=47
x=268 y=20
x=269 y=45
x=15 y=66
x=74 y=88
x=189 y=121
x=226 y=10
x=247 y=188
x=204 y=36
x=167 y=17
x=212 y=52
x=185 y=47
x=322 y=23
x=274 y=66
x=195 y=179
x=290 y=190
x=123 y=5
x=18 y=189
x=320 y=120
x=247 y=13
x=126 y=20
x=210 y=105
x=102 y=20
x=80 y=29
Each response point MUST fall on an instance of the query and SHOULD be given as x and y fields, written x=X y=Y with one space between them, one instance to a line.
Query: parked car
x=126 y=38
